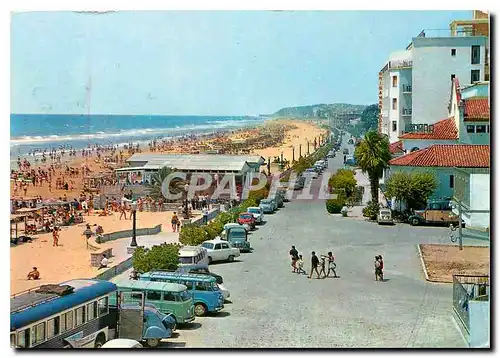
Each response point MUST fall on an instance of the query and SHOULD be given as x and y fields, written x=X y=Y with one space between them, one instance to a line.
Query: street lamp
x=133 y=205
x=186 y=209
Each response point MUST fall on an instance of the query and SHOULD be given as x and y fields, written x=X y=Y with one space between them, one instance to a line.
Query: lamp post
x=293 y=154
x=133 y=205
x=186 y=209
x=308 y=147
x=300 y=151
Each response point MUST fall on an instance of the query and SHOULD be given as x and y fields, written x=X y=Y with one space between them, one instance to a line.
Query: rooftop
x=396 y=147
x=447 y=155
x=476 y=108
x=443 y=130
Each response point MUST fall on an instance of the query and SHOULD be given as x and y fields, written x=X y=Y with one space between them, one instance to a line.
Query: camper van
x=193 y=255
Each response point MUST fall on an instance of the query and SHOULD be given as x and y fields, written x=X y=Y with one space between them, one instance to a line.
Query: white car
x=220 y=250
x=257 y=213
x=122 y=343
x=313 y=174
x=225 y=292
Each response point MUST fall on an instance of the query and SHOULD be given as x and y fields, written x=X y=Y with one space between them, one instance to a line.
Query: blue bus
x=207 y=297
x=73 y=314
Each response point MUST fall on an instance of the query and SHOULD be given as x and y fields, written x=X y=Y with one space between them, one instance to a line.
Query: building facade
x=414 y=84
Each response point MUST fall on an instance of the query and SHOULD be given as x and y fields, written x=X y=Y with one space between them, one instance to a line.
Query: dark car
x=201 y=270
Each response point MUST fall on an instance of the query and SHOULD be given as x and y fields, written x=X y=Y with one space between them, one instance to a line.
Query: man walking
x=205 y=216
x=314 y=265
x=294 y=254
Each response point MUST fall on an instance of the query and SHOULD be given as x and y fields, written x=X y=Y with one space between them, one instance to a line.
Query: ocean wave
x=215 y=125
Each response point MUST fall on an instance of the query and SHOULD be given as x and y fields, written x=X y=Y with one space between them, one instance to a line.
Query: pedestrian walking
x=55 y=236
x=174 y=221
x=314 y=265
x=377 y=269
x=294 y=255
x=205 y=216
x=88 y=234
x=322 y=266
x=300 y=265
x=331 y=265
x=381 y=260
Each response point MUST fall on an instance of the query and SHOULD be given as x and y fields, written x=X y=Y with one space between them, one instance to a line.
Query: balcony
x=406 y=89
x=401 y=64
x=406 y=112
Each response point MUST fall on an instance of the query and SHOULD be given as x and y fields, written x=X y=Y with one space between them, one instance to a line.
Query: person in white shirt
x=104 y=262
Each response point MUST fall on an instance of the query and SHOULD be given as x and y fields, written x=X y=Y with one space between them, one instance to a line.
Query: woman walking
x=174 y=221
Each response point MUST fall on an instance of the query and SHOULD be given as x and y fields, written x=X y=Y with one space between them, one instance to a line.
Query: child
x=300 y=265
x=331 y=265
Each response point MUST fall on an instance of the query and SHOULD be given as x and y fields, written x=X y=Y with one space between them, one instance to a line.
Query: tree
x=176 y=185
x=192 y=234
x=334 y=206
x=161 y=257
x=412 y=188
x=343 y=180
x=373 y=155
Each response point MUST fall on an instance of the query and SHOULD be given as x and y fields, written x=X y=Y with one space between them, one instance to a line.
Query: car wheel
x=414 y=222
x=230 y=258
x=100 y=340
x=209 y=260
x=200 y=309
x=153 y=342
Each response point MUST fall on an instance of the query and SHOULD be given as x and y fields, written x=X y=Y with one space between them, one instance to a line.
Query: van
x=193 y=255
x=207 y=297
x=168 y=298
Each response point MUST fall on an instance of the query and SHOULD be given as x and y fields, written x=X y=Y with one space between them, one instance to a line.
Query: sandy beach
x=72 y=258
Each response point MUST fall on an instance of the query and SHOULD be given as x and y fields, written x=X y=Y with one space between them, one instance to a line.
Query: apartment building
x=414 y=84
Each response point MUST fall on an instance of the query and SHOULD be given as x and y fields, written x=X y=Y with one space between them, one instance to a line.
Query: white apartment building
x=414 y=85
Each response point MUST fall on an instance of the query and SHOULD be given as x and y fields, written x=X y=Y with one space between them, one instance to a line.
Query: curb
x=423 y=263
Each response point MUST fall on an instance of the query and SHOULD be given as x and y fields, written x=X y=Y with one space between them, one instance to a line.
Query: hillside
x=319 y=110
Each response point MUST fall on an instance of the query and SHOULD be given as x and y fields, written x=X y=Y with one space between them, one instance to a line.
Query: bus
x=73 y=314
x=207 y=297
x=168 y=298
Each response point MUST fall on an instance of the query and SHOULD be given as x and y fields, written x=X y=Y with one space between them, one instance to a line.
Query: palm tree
x=176 y=185
x=373 y=155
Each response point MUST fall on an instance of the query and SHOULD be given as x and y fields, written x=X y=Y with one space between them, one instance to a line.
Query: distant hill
x=319 y=110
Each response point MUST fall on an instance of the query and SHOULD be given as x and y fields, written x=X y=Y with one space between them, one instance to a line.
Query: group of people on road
x=298 y=264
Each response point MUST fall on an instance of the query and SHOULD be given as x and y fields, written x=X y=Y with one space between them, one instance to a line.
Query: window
x=481 y=129
x=92 y=310
x=168 y=296
x=452 y=76
x=470 y=129
x=225 y=246
x=435 y=206
x=66 y=321
x=38 y=333
x=453 y=52
x=487 y=129
x=23 y=339
x=395 y=103
x=394 y=126
x=80 y=316
x=475 y=55
x=53 y=327
x=217 y=247
x=153 y=295
x=474 y=76
x=137 y=295
x=201 y=286
x=452 y=181
x=394 y=81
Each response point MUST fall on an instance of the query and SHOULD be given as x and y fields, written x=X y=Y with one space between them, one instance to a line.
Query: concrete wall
x=432 y=69
x=479 y=322
x=478 y=90
x=480 y=200
x=474 y=138
x=128 y=233
x=409 y=144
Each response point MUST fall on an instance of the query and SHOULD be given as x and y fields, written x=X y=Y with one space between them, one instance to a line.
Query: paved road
x=272 y=307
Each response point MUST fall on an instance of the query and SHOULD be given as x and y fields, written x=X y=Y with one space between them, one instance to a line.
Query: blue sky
x=206 y=63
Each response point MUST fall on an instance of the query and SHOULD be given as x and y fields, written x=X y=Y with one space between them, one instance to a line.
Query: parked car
x=278 y=199
x=220 y=250
x=284 y=194
x=247 y=218
x=385 y=217
x=257 y=213
x=345 y=151
x=350 y=161
x=229 y=225
x=437 y=211
x=311 y=172
x=299 y=183
x=267 y=206
x=202 y=270
x=238 y=237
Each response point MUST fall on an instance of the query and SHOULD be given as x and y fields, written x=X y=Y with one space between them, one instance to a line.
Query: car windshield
x=385 y=212
x=246 y=216
x=208 y=245
x=265 y=201
x=238 y=234
x=186 y=259
x=254 y=211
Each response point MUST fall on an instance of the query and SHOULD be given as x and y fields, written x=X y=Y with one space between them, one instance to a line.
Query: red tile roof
x=396 y=147
x=476 y=108
x=444 y=130
x=447 y=155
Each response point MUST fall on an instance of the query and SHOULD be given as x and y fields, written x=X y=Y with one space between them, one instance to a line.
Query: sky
x=204 y=63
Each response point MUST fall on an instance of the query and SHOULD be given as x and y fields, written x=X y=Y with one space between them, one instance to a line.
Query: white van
x=122 y=343
x=193 y=255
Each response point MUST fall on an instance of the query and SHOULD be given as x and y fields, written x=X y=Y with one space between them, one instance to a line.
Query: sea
x=32 y=133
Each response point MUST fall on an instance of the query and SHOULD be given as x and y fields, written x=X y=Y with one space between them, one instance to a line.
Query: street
x=275 y=308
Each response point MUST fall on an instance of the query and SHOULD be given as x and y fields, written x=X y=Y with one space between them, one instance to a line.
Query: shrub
x=192 y=234
x=371 y=210
x=160 y=257
x=411 y=188
x=334 y=206
x=343 y=180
